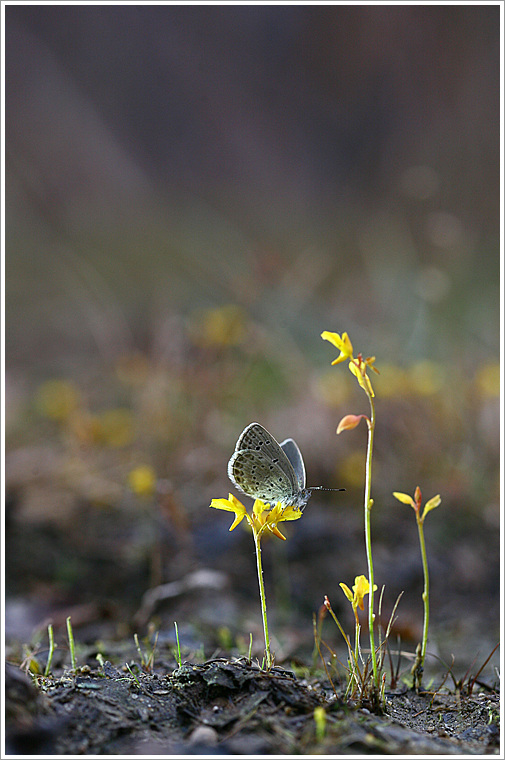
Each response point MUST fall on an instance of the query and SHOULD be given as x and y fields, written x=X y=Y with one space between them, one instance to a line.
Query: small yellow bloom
x=488 y=380
x=357 y=366
x=115 y=428
x=263 y=516
x=142 y=480
x=343 y=344
x=222 y=327
x=57 y=399
x=361 y=588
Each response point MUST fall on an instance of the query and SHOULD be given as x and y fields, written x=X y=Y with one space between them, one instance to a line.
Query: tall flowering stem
x=416 y=504
x=368 y=535
x=358 y=366
x=262 y=520
x=426 y=590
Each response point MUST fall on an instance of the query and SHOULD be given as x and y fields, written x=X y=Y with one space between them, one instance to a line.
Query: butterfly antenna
x=322 y=488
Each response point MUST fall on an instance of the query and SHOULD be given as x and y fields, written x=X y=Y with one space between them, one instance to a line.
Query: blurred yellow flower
x=425 y=378
x=488 y=379
x=394 y=381
x=222 y=326
x=116 y=428
x=142 y=480
x=57 y=399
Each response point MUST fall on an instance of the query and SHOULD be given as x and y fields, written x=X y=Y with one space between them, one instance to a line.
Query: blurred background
x=193 y=194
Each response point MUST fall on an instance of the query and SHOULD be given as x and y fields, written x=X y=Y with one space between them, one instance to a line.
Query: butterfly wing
x=261 y=469
x=294 y=455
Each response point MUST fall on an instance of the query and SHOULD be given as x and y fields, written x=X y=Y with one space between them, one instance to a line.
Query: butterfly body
x=265 y=469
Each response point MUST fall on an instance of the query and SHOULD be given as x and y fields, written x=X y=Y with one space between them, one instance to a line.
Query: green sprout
x=52 y=647
x=178 y=656
x=320 y=720
x=415 y=503
x=71 y=643
x=358 y=367
x=262 y=519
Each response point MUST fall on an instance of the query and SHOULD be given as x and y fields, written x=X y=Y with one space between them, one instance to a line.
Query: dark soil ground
x=232 y=707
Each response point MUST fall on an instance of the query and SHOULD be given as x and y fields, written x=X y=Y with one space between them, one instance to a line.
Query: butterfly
x=265 y=469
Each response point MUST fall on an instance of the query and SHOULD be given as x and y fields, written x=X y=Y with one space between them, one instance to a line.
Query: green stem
x=356 y=637
x=71 y=643
x=51 y=650
x=257 y=544
x=368 y=537
x=178 y=656
x=426 y=592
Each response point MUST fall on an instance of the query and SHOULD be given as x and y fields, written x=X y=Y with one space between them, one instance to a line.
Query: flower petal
x=404 y=498
x=231 y=505
x=362 y=378
x=349 y=422
x=347 y=591
x=431 y=504
x=343 y=344
x=275 y=530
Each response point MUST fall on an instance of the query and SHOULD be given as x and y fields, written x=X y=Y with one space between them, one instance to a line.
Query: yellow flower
x=343 y=344
x=361 y=588
x=488 y=380
x=222 y=327
x=263 y=516
x=358 y=366
x=277 y=514
x=142 y=480
x=57 y=399
x=116 y=428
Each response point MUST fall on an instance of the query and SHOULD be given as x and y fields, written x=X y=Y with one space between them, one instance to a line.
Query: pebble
x=203 y=735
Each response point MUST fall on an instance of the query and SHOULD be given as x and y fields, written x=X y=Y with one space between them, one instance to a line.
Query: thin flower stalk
x=263 y=600
x=416 y=504
x=263 y=519
x=368 y=535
